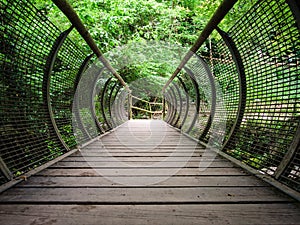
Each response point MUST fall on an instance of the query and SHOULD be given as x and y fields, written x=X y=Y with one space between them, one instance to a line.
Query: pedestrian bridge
x=220 y=146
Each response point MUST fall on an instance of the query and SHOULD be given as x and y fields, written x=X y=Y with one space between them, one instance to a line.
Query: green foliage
x=115 y=22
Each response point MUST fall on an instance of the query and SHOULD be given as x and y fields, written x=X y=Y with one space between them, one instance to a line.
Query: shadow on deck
x=145 y=172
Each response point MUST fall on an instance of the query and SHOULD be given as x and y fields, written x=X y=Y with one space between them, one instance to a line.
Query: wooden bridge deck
x=145 y=172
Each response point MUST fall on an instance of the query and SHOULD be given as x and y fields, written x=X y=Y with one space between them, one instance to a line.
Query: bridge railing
x=151 y=110
x=54 y=96
x=247 y=83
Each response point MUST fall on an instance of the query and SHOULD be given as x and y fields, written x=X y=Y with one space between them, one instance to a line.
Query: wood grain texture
x=194 y=214
x=104 y=183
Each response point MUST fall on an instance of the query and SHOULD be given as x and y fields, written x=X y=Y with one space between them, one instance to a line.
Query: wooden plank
x=151 y=140
x=143 y=194
x=143 y=172
x=121 y=164
x=144 y=154
x=206 y=181
x=140 y=159
x=231 y=214
x=218 y=194
x=144 y=147
x=157 y=158
x=142 y=150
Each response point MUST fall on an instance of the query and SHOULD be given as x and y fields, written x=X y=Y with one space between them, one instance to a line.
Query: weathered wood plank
x=144 y=154
x=141 y=159
x=217 y=192
x=142 y=147
x=143 y=194
x=143 y=172
x=204 y=181
x=220 y=214
x=114 y=164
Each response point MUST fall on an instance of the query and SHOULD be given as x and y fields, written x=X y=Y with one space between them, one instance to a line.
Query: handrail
x=142 y=100
x=70 y=13
x=222 y=10
x=148 y=111
x=145 y=110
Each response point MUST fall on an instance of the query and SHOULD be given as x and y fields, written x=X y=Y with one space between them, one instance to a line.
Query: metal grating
x=26 y=131
x=268 y=43
x=256 y=65
x=292 y=173
x=63 y=76
x=226 y=76
x=269 y=47
x=26 y=41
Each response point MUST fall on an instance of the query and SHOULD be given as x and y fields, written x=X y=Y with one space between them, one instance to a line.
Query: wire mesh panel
x=268 y=41
x=85 y=123
x=191 y=109
x=63 y=76
x=197 y=69
x=292 y=173
x=226 y=75
x=26 y=40
x=118 y=102
x=26 y=132
x=256 y=66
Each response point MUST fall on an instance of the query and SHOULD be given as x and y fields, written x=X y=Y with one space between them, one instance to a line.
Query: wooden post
x=4 y=169
x=163 y=108
x=129 y=106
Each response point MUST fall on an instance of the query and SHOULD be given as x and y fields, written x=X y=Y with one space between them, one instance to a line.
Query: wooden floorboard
x=145 y=172
x=194 y=214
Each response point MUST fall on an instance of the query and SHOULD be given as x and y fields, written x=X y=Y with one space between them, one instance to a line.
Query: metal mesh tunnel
x=243 y=98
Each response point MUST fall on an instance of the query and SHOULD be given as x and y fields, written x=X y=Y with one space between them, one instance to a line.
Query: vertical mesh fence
x=269 y=47
x=257 y=65
x=268 y=41
x=26 y=41
x=226 y=75
x=63 y=76
x=28 y=138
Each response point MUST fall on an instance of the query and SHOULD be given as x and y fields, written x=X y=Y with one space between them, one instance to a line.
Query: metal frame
x=180 y=106
x=118 y=103
x=93 y=108
x=103 y=103
x=129 y=106
x=46 y=82
x=5 y=171
x=242 y=82
x=295 y=8
x=283 y=166
x=213 y=100
x=187 y=101
x=196 y=88
x=77 y=113
x=110 y=103
x=174 y=105
x=169 y=106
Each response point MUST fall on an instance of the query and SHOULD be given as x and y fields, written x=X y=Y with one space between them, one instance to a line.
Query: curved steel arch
x=187 y=101
x=46 y=82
